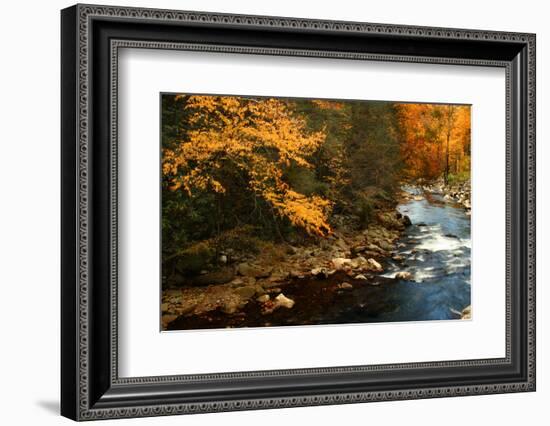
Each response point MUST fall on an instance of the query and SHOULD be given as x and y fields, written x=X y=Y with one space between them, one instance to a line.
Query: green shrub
x=240 y=239
x=458 y=177
x=194 y=258
x=364 y=208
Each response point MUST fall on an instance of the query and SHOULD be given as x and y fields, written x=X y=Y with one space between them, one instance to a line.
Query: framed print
x=263 y=212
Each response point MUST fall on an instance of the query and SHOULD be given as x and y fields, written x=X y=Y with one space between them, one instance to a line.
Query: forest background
x=243 y=174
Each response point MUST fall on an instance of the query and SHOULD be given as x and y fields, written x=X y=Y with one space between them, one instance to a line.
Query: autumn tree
x=248 y=167
x=256 y=140
x=435 y=139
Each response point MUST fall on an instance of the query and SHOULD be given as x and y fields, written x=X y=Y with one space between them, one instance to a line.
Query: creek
x=435 y=250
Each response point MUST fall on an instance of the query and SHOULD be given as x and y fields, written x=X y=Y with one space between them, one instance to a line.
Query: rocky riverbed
x=351 y=276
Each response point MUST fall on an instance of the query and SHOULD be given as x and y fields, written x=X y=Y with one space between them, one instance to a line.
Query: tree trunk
x=447 y=158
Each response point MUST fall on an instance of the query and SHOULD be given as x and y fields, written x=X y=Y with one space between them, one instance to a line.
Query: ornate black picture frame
x=91 y=388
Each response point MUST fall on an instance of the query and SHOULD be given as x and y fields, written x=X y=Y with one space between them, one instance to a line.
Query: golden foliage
x=258 y=137
x=436 y=138
x=328 y=105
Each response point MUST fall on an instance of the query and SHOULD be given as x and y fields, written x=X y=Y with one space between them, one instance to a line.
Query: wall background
x=29 y=212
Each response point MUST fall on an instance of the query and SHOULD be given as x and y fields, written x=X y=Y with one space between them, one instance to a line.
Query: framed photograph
x=263 y=212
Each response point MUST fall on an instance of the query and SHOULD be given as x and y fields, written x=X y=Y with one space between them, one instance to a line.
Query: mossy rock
x=194 y=259
x=221 y=276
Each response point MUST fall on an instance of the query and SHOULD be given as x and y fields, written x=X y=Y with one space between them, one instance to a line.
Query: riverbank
x=345 y=258
x=458 y=192
x=410 y=263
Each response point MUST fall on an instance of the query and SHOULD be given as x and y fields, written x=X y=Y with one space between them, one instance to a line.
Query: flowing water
x=435 y=250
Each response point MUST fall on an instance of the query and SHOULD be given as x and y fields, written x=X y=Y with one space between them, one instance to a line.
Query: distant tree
x=434 y=138
x=373 y=151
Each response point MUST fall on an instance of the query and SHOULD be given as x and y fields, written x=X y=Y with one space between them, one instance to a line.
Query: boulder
x=231 y=306
x=359 y=262
x=194 y=259
x=358 y=249
x=237 y=282
x=385 y=245
x=361 y=277
x=404 y=275
x=167 y=319
x=283 y=301
x=222 y=276
x=278 y=276
x=340 y=262
x=345 y=286
x=249 y=270
x=390 y=220
x=263 y=298
x=406 y=220
x=374 y=264
x=246 y=292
